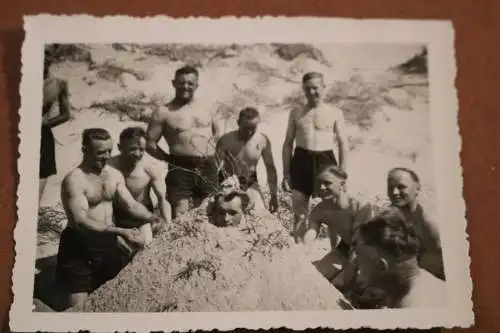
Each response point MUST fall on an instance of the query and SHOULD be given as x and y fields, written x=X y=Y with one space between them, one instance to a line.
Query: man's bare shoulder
x=153 y=170
x=227 y=138
x=74 y=178
x=335 y=111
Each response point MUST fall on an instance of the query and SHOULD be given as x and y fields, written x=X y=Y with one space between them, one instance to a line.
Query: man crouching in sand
x=388 y=273
x=140 y=178
x=88 y=251
x=343 y=215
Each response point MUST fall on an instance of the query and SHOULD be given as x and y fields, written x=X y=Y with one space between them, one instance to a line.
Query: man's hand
x=273 y=203
x=134 y=236
x=285 y=185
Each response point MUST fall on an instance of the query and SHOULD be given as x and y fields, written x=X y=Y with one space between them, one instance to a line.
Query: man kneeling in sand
x=140 y=178
x=388 y=273
x=240 y=151
x=88 y=250
x=228 y=208
x=342 y=215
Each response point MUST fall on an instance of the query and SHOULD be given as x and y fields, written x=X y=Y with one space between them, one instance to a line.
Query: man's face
x=185 y=85
x=99 y=153
x=133 y=150
x=313 y=89
x=229 y=212
x=247 y=127
x=330 y=186
x=402 y=190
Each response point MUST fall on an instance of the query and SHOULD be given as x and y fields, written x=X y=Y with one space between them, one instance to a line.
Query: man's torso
x=188 y=130
x=241 y=158
x=315 y=127
x=138 y=180
x=52 y=88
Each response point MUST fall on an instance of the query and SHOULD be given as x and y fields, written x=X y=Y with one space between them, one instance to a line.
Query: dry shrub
x=289 y=52
x=192 y=54
x=111 y=70
x=137 y=107
x=69 y=52
x=195 y=266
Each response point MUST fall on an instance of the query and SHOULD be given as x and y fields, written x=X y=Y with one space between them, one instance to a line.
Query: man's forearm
x=287 y=156
x=342 y=156
x=56 y=121
x=165 y=210
x=273 y=181
x=139 y=211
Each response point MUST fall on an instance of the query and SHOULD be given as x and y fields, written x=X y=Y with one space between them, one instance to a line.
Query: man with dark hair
x=88 y=251
x=241 y=150
x=342 y=215
x=228 y=209
x=315 y=128
x=403 y=187
x=55 y=90
x=189 y=130
x=388 y=274
x=141 y=177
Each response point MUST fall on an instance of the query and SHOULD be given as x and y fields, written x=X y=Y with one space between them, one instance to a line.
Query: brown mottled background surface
x=477 y=28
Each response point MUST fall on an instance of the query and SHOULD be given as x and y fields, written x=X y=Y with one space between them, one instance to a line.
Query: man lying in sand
x=88 y=252
x=140 y=178
x=315 y=127
x=241 y=150
x=55 y=90
x=189 y=128
x=343 y=215
x=403 y=187
x=228 y=208
x=388 y=274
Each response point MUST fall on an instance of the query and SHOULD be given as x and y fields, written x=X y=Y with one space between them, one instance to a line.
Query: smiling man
x=341 y=214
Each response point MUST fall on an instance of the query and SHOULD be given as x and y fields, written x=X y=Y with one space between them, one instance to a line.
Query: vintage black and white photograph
x=254 y=180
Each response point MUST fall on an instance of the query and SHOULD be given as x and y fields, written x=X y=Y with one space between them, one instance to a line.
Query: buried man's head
x=403 y=186
x=185 y=83
x=132 y=144
x=313 y=85
x=229 y=208
x=331 y=182
x=248 y=120
x=96 y=147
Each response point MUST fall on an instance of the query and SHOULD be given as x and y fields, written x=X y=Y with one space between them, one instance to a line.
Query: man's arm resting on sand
x=64 y=107
x=288 y=145
x=314 y=224
x=79 y=207
x=160 y=190
x=341 y=138
x=272 y=176
x=153 y=135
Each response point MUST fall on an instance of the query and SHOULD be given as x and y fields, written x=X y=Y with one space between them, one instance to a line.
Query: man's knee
x=77 y=299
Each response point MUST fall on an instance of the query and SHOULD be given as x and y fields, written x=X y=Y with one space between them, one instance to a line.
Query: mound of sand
x=195 y=266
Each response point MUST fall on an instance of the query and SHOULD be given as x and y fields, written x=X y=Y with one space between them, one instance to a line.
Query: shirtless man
x=343 y=215
x=189 y=128
x=314 y=127
x=386 y=250
x=88 y=251
x=54 y=91
x=403 y=187
x=241 y=150
x=140 y=177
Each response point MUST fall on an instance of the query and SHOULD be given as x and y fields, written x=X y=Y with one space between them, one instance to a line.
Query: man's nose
x=322 y=187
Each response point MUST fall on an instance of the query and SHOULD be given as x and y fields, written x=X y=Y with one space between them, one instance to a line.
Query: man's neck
x=180 y=102
x=125 y=165
x=87 y=167
x=314 y=105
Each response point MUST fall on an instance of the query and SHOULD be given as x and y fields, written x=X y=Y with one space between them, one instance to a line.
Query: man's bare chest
x=251 y=149
x=99 y=189
x=137 y=181
x=316 y=120
x=186 y=120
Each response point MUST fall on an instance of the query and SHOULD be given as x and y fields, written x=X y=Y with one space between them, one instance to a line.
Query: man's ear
x=384 y=264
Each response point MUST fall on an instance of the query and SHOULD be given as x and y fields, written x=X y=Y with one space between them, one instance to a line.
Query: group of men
x=109 y=208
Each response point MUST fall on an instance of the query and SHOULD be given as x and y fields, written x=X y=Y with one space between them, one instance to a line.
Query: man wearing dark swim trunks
x=315 y=128
x=190 y=131
x=54 y=90
x=89 y=254
x=241 y=151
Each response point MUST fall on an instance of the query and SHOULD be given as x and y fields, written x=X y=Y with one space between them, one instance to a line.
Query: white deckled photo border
x=437 y=35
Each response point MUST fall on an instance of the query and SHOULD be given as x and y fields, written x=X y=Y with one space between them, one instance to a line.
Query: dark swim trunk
x=245 y=182
x=191 y=176
x=306 y=166
x=86 y=263
x=47 y=153
x=124 y=219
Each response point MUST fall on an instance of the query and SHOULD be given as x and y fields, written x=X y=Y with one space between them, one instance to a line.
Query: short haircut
x=248 y=113
x=132 y=133
x=412 y=173
x=391 y=232
x=311 y=75
x=186 y=70
x=335 y=171
x=228 y=197
x=94 y=133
